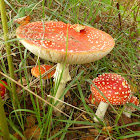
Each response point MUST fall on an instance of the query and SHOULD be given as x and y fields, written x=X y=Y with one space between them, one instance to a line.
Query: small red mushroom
x=129 y=109
x=43 y=68
x=114 y=87
x=3 y=90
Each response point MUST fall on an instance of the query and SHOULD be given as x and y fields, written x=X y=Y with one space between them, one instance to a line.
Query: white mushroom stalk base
x=127 y=111
x=61 y=75
x=101 y=110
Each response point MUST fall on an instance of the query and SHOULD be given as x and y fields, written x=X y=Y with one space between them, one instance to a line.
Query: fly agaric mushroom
x=3 y=90
x=114 y=87
x=60 y=43
x=36 y=71
x=129 y=109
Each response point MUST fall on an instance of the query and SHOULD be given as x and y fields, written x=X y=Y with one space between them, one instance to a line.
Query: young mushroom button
x=114 y=87
x=64 y=44
x=36 y=71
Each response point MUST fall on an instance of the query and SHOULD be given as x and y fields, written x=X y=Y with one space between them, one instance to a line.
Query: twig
x=81 y=127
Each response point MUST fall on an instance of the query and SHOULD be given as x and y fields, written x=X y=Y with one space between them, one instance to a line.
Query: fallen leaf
x=74 y=103
x=107 y=130
x=131 y=139
x=95 y=132
x=125 y=120
x=102 y=138
x=33 y=132
x=89 y=138
x=23 y=20
x=71 y=135
x=78 y=27
x=30 y=121
x=16 y=135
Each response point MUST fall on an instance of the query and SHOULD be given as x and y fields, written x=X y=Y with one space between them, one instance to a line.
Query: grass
x=123 y=59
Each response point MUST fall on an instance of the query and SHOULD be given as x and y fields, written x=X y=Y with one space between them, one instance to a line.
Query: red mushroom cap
x=134 y=100
x=43 y=68
x=3 y=90
x=113 y=86
x=49 y=41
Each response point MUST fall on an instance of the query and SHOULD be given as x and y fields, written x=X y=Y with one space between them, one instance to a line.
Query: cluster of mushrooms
x=66 y=44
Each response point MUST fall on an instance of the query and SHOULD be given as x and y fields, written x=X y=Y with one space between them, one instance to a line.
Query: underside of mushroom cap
x=49 y=41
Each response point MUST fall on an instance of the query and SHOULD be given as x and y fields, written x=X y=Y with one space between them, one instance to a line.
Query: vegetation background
x=30 y=119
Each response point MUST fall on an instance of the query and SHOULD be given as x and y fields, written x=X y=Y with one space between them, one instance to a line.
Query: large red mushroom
x=109 y=88
x=64 y=44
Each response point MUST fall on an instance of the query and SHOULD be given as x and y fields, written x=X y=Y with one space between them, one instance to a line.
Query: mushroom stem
x=61 y=76
x=127 y=111
x=101 y=110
